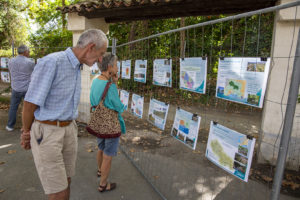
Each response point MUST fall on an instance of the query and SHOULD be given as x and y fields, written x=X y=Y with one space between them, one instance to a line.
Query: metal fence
x=177 y=172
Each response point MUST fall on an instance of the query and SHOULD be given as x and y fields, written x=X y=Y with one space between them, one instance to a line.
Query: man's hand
x=25 y=140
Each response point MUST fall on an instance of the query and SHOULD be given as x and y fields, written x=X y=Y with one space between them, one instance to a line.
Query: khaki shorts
x=54 y=151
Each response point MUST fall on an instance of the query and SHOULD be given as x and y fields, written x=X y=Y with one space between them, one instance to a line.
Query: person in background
x=51 y=107
x=20 y=69
x=107 y=147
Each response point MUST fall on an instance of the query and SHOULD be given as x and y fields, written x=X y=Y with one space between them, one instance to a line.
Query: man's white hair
x=94 y=36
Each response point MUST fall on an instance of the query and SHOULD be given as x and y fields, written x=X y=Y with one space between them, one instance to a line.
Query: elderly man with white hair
x=20 y=69
x=50 y=110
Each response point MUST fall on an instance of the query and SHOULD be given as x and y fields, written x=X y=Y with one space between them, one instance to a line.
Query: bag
x=104 y=122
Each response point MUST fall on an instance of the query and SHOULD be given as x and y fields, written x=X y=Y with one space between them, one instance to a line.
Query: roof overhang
x=131 y=10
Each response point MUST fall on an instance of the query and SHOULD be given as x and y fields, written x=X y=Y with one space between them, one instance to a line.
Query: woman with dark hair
x=107 y=147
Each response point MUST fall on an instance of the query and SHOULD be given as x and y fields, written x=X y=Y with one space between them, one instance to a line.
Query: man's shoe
x=9 y=129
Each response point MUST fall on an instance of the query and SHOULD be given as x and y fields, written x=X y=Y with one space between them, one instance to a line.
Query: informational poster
x=119 y=68
x=243 y=80
x=140 y=71
x=5 y=77
x=193 y=74
x=230 y=150
x=158 y=112
x=95 y=69
x=32 y=60
x=162 y=72
x=4 y=62
x=124 y=97
x=137 y=105
x=186 y=127
x=126 y=69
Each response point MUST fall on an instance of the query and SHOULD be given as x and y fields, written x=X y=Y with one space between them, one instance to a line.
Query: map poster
x=137 y=105
x=126 y=69
x=162 y=72
x=230 y=150
x=243 y=80
x=140 y=71
x=5 y=77
x=119 y=68
x=193 y=74
x=95 y=69
x=124 y=97
x=186 y=127
x=4 y=62
x=157 y=114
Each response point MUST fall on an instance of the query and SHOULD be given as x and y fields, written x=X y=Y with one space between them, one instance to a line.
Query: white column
x=284 y=43
x=78 y=24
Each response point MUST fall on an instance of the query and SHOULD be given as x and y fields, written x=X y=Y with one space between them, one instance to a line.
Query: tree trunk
x=182 y=38
x=132 y=35
x=64 y=21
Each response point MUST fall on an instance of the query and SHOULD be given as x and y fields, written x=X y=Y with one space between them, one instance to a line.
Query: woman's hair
x=108 y=60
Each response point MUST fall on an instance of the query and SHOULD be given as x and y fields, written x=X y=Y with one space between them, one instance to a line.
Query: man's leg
x=63 y=195
x=15 y=100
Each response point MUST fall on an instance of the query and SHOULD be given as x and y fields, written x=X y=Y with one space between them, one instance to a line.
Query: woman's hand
x=115 y=78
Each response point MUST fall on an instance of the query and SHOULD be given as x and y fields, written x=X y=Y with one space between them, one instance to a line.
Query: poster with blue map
x=158 y=112
x=243 y=80
x=95 y=69
x=137 y=105
x=186 y=127
x=140 y=71
x=193 y=74
x=230 y=150
x=126 y=69
x=5 y=77
x=162 y=72
x=124 y=97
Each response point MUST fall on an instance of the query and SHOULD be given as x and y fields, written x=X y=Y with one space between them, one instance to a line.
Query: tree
x=12 y=24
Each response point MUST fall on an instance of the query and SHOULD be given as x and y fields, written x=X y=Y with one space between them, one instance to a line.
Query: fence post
x=114 y=45
x=288 y=124
x=13 y=49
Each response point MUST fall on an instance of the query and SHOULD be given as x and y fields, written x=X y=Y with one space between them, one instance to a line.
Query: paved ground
x=19 y=180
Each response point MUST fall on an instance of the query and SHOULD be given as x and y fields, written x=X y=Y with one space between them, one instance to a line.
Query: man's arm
x=27 y=120
x=28 y=115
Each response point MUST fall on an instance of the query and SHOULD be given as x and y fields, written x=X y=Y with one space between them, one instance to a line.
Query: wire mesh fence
x=173 y=169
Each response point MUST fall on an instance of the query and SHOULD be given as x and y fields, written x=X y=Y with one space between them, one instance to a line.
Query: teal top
x=112 y=99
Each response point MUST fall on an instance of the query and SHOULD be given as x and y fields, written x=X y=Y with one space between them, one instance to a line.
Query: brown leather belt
x=56 y=123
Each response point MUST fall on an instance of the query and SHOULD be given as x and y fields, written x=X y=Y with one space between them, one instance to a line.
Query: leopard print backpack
x=104 y=122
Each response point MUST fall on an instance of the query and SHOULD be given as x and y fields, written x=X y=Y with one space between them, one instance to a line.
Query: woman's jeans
x=15 y=100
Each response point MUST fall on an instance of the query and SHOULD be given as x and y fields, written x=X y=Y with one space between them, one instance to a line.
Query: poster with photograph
x=137 y=105
x=243 y=80
x=119 y=68
x=95 y=69
x=4 y=62
x=230 y=150
x=193 y=74
x=5 y=77
x=158 y=112
x=124 y=97
x=32 y=60
x=186 y=127
x=140 y=71
x=162 y=72
x=126 y=69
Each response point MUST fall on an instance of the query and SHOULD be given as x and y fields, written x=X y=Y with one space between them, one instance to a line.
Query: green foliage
x=12 y=23
x=51 y=35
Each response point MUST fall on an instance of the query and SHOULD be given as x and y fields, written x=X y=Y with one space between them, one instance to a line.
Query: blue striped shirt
x=55 y=86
